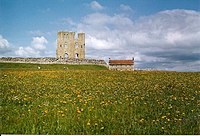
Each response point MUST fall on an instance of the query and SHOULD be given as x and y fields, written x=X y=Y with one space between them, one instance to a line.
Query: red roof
x=121 y=62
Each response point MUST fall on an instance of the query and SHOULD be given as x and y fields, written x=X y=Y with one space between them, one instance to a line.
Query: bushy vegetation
x=35 y=101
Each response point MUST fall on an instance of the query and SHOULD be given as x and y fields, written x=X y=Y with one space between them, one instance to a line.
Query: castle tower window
x=76 y=55
x=66 y=55
x=60 y=45
x=65 y=36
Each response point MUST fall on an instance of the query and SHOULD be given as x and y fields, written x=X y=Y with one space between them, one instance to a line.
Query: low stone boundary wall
x=49 y=60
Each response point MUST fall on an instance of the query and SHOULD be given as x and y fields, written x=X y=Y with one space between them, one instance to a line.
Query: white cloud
x=96 y=43
x=36 y=49
x=173 y=37
x=125 y=7
x=3 y=43
x=38 y=43
x=39 y=33
x=4 y=46
x=26 y=52
x=101 y=20
x=168 y=36
x=96 y=6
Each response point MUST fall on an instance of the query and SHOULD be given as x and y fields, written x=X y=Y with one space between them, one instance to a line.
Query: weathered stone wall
x=53 y=61
x=121 y=67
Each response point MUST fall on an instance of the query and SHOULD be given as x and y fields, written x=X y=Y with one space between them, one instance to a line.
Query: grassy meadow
x=89 y=99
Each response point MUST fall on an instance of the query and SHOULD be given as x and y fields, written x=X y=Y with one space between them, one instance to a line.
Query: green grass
x=50 y=66
x=81 y=101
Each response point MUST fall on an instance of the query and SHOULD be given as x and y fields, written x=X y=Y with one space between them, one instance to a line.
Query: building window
x=66 y=55
x=60 y=45
x=66 y=36
x=76 y=56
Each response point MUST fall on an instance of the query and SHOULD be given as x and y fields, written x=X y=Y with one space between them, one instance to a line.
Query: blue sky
x=160 y=34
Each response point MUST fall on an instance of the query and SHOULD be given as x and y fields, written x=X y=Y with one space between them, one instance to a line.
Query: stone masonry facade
x=49 y=60
x=70 y=48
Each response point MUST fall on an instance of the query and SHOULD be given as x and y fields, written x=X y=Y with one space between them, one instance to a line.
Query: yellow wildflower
x=88 y=123
x=46 y=111
x=163 y=117
x=78 y=111
x=141 y=120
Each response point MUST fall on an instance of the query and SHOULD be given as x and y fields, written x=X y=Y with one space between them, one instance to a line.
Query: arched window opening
x=66 y=56
x=76 y=56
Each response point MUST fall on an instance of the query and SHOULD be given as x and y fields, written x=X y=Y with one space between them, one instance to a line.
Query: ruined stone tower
x=69 y=47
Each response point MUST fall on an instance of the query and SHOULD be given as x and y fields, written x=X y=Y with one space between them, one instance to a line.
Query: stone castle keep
x=70 y=48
